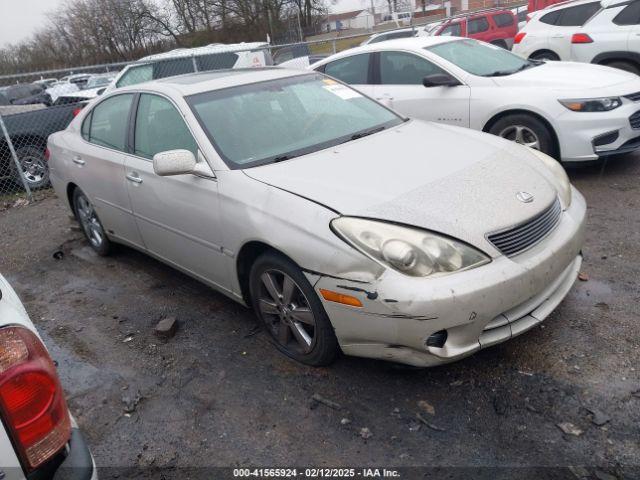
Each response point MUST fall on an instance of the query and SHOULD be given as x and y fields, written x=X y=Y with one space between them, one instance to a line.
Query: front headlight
x=411 y=251
x=592 y=104
x=562 y=180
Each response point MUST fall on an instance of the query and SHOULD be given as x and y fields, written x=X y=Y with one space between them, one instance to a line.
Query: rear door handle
x=134 y=178
x=78 y=161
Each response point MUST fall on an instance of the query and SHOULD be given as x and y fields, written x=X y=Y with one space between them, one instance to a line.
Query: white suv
x=217 y=56
x=38 y=436
x=605 y=32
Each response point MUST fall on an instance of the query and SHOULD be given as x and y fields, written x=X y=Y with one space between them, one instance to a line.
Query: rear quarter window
x=550 y=18
x=503 y=19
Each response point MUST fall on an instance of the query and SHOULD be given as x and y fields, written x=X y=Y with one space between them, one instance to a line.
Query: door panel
x=99 y=166
x=401 y=76
x=177 y=216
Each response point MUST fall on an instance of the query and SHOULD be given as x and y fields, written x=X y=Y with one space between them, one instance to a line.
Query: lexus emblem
x=524 y=197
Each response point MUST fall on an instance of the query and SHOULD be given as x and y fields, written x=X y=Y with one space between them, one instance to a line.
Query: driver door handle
x=134 y=177
x=78 y=161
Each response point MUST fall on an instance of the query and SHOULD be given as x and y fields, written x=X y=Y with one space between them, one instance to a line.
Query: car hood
x=446 y=179
x=574 y=77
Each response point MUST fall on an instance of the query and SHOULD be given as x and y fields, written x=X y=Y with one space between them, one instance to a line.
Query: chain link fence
x=37 y=104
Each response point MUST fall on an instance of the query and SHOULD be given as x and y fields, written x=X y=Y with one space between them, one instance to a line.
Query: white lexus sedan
x=345 y=226
x=572 y=111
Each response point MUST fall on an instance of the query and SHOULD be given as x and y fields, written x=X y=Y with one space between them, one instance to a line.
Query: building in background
x=348 y=20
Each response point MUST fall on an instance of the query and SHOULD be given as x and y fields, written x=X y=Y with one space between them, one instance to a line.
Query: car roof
x=573 y=3
x=207 y=49
x=194 y=83
x=409 y=43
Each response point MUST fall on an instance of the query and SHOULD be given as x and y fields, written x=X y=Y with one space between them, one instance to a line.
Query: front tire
x=526 y=130
x=289 y=309
x=90 y=223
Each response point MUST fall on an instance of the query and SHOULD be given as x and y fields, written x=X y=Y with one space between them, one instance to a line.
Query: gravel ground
x=218 y=394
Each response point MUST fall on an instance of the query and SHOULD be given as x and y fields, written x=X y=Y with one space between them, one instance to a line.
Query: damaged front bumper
x=476 y=308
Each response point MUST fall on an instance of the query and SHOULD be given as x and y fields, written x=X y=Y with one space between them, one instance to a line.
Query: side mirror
x=439 y=80
x=174 y=162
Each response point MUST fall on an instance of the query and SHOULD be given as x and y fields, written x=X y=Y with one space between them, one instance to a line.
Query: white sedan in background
x=572 y=111
x=38 y=437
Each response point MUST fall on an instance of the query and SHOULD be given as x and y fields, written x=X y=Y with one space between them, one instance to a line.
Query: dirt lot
x=218 y=394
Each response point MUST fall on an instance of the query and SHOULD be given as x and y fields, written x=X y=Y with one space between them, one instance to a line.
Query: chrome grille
x=634 y=120
x=634 y=97
x=515 y=240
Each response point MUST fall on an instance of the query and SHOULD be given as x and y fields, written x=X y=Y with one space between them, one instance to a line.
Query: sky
x=20 y=18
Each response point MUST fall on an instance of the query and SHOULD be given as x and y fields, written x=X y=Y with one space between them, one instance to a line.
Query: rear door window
x=400 y=68
x=578 y=15
x=630 y=15
x=216 y=61
x=353 y=70
x=110 y=120
x=171 y=68
x=477 y=25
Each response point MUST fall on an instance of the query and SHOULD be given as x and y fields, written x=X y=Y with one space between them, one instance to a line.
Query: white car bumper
x=477 y=308
x=589 y=136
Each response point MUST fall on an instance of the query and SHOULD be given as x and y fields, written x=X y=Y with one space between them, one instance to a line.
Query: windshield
x=279 y=119
x=481 y=58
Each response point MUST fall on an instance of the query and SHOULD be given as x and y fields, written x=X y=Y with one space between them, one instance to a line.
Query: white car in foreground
x=344 y=225
x=38 y=437
x=572 y=111
x=604 y=32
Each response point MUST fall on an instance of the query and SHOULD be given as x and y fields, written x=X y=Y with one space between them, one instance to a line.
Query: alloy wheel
x=89 y=221
x=34 y=169
x=522 y=135
x=286 y=312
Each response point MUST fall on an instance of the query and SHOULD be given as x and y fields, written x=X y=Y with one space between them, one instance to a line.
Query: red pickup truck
x=498 y=27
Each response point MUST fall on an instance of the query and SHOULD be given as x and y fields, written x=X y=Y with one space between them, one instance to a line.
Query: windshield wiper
x=504 y=73
x=356 y=136
x=282 y=158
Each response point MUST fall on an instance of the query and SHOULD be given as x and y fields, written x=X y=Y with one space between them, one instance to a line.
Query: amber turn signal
x=340 y=298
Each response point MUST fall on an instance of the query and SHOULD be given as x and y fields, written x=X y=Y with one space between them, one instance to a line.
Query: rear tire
x=545 y=55
x=90 y=223
x=526 y=130
x=35 y=169
x=290 y=311
x=626 y=66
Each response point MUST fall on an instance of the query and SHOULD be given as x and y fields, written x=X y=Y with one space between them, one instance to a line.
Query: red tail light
x=581 y=38
x=518 y=38
x=76 y=111
x=47 y=154
x=32 y=403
